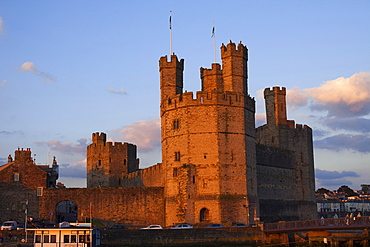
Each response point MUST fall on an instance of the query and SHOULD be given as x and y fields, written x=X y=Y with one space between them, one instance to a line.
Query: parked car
x=152 y=227
x=20 y=226
x=215 y=226
x=182 y=226
x=9 y=225
x=115 y=227
x=239 y=224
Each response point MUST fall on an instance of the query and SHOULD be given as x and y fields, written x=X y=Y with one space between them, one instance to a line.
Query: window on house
x=53 y=238
x=66 y=239
x=46 y=238
x=177 y=156
x=38 y=239
x=16 y=176
x=39 y=191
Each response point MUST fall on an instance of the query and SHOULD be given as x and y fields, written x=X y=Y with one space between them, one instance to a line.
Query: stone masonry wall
x=136 y=206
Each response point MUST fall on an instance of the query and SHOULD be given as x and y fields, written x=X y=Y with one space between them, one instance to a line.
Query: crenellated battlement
x=232 y=50
x=209 y=98
x=274 y=90
x=99 y=137
x=174 y=62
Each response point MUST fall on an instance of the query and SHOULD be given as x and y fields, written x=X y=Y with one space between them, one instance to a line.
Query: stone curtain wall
x=136 y=205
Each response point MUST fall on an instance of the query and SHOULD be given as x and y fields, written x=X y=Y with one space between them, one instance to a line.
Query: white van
x=9 y=225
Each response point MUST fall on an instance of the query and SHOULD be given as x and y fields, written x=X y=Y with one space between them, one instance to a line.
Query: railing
x=319 y=224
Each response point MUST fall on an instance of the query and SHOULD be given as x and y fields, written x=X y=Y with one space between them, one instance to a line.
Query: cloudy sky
x=72 y=68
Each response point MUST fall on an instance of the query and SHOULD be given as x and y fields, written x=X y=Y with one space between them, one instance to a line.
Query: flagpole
x=214 y=42
x=170 y=34
x=91 y=216
x=25 y=222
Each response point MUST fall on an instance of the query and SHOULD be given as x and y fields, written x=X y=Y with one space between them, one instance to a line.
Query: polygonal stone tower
x=108 y=163
x=208 y=142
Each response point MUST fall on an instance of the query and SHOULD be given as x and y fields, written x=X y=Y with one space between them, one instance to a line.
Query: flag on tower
x=170 y=19
x=213 y=31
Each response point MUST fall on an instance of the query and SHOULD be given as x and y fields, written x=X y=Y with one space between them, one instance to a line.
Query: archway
x=66 y=211
x=204 y=215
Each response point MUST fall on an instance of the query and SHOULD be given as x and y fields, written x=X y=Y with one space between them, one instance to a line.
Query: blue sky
x=72 y=68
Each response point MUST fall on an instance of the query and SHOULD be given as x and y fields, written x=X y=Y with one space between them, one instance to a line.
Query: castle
x=216 y=166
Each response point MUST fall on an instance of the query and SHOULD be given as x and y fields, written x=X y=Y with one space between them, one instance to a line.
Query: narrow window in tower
x=193 y=179
x=175 y=172
x=176 y=124
x=177 y=156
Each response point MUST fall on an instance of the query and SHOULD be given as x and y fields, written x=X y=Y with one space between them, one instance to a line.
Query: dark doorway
x=204 y=215
x=66 y=211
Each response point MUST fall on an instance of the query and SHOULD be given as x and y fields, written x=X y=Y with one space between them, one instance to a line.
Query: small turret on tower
x=171 y=76
x=275 y=99
x=234 y=67
x=99 y=137
x=212 y=78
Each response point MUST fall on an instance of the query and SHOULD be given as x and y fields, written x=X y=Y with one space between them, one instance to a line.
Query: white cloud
x=350 y=90
x=343 y=96
x=145 y=134
x=67 y=147
x=296 y=99
x=30 y=66
x=122 y=91
x=260 y=119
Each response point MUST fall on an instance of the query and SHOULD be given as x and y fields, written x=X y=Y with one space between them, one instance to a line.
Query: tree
x=347 y=190
x=322 y=191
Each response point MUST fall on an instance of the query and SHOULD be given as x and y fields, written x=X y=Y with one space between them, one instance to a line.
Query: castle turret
x=234 y=67
x=275 y=99
x=99 y=137
x=171 y=76
x=212 y=79
x=108 y=163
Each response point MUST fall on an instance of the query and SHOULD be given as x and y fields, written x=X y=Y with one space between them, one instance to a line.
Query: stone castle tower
x=108 y=163
x=285 y=163
x=208 y=142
